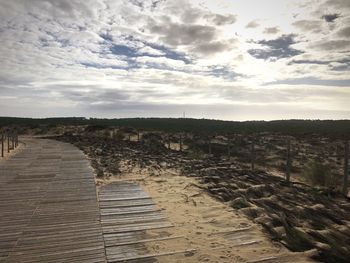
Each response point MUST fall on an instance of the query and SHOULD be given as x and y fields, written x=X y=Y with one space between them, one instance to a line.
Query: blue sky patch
x=224 y=72
x=122 y=50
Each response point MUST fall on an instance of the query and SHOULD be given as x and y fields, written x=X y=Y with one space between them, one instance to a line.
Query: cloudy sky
x=222 y=59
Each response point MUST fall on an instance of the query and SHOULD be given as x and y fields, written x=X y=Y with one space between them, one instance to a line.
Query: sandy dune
x=217 y=232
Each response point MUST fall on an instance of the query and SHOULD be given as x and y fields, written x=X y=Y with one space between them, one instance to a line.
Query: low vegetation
x=319 y=174
x=339 y=129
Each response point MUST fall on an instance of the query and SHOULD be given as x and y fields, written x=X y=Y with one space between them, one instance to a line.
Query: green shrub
x=319 y=174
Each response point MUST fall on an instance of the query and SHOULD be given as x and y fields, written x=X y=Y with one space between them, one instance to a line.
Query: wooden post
x=8 y=142
x=2 y=144
x=288 y=162
x=169 y=146
x=253 y=156
x=13 y=140
x=180 y=143
x=138 y=136
x=346 y=168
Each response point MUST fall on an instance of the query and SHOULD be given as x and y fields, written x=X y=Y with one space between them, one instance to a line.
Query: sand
x=218 y=232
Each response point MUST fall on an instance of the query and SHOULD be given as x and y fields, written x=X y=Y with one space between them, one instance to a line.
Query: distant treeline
x=329 y=128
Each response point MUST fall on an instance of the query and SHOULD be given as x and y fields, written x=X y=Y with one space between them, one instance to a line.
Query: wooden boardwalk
x=49 y=213
x=49 y=208
x=134 y=229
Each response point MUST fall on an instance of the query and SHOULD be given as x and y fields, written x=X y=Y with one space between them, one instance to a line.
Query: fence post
x=2 y=144
x=180 y=143
x=253 y=155
x=288 y=162
x=346 y=168
x=169 y=146
x=13 y=140
x=8 y=142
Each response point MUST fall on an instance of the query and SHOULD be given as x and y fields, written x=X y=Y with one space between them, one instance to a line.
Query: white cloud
x=73 y=57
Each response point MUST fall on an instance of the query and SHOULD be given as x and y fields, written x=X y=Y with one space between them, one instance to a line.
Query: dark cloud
x=143 y=5
x=91 y=94
x=305 y=61
x=12 y=80
x=339 y=4
x=273 y=54
x=332 y=45
x=211 y=47
x=344 y=32
x=334 y=65
x=176 y=34
x=318 y=62
x=285 y=41
x=156 y=3
x=138 y=3
x=330 y=17
x=198 y=38
x=343 y=67
x=252 y=24
x=313 y=81
x=220 y=20
x=314 y=26
x=65 y=8
x=271 y=30
x=276 y=49
x=106 y=66
x=106 y=36
x=190 y=14
x=110 y=95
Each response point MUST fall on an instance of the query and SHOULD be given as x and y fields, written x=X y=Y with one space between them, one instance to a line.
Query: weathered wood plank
x=49 y=209
x=130 y=222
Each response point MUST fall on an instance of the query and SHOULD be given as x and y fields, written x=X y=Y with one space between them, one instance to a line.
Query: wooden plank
x=122 y=199
x=130 y=212
x=49 y=206
x=152 y=255
x=130 y=221
x=136 y=228
x=144 y=241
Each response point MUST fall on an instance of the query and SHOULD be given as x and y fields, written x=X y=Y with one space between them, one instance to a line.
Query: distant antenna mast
x=184 y=114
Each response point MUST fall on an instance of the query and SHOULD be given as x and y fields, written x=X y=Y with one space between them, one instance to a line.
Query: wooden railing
x=9 y=141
